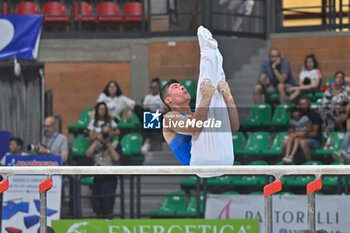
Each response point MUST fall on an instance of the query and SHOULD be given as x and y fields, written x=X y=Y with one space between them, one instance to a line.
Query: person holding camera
x=275 y=77
x=104 y=151
x=309 y=78
x=53 y=142
x=16 y=147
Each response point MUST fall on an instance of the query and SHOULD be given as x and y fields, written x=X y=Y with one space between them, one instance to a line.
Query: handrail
x=175 y=170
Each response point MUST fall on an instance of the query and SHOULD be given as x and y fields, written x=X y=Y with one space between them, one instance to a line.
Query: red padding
x=45 y=185
x=4 y=185
x=272 y=188
x=314 y=186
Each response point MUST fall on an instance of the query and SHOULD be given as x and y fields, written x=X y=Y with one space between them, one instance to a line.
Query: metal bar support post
x=270 y=189
x=312 y=188
x=45 y=186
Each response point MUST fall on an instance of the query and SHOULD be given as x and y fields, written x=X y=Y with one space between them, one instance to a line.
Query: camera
x=105 y=135
x=33 y=148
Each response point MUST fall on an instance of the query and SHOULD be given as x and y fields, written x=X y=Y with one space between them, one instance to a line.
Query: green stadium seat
x=190 y=183
x=238 y=140
x=191 y=209
x=191 y=87
x=330 y=80
x=80 y=146
x=131 y=144
x=334 y=142
x=163 y=82
x=250 y=181
x=173 y=202
x=331 y=181
x=134 y=123
x=82 y=123
x=276 y=148
x=257 y=193
x=281 y=117
x=257 y=115
x=231 y=193
x=256 y=143
x=237 y=163
x=87 y=180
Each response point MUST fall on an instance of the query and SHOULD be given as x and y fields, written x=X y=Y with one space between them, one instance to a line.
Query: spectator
x=118 y=104
x=344 y=153
x=152 y=103
x=16 y=147
x=335 y=105
x=313 y=138
x=300 y=124
x=275 y=77
x=53 y=142
x=309 y=78
x=101 y=117
x=104 y=151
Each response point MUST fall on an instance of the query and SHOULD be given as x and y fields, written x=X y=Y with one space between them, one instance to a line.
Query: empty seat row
x=242 y=183
x=105 y=11
x=175 y=204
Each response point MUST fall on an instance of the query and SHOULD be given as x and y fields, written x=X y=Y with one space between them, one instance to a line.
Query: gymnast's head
x=173 y=94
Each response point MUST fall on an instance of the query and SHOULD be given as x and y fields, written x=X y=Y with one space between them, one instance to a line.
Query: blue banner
x=33 y=160
x=19 y=36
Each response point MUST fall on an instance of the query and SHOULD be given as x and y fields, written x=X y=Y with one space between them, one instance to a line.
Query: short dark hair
x=305 y=98
x=164 y=91
x=339 y=72
x=119 y=91
x=311 y=56
x=294 y=109
x=156 y=80
x=18 y=141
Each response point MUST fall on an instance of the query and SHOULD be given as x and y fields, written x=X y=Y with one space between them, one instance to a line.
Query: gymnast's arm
x=224 y=89
x=177 y=122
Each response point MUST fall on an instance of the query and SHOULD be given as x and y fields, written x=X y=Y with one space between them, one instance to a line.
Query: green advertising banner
x=157 y=226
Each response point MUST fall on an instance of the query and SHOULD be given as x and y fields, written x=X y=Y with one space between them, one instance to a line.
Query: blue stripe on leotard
x=181 y=146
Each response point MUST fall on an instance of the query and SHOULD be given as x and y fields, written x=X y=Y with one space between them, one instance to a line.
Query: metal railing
x=331 y=15
x=182 y=21
x=275 y=187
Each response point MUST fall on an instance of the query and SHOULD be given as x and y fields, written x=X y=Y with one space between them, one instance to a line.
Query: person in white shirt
x=118 y=105
x=101 y=117
x=16 y=147
x=152 y=102
x=309 y=78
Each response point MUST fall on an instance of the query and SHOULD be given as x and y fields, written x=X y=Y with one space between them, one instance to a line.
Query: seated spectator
x=309 y=78
x=275 y=77
x=104 y=151
x=299 y=125
x=16 y=147
x=344 y=153
x=118 y=104
x=152 y=103
x=53 y=142
x=312 y=139
x=335 y=105
x=101 y=118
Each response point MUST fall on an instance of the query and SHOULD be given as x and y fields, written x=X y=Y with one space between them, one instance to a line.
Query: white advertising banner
x=289 y=211
x=21 y=202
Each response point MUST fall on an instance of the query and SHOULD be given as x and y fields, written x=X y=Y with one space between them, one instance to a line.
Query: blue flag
x=19 y=36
